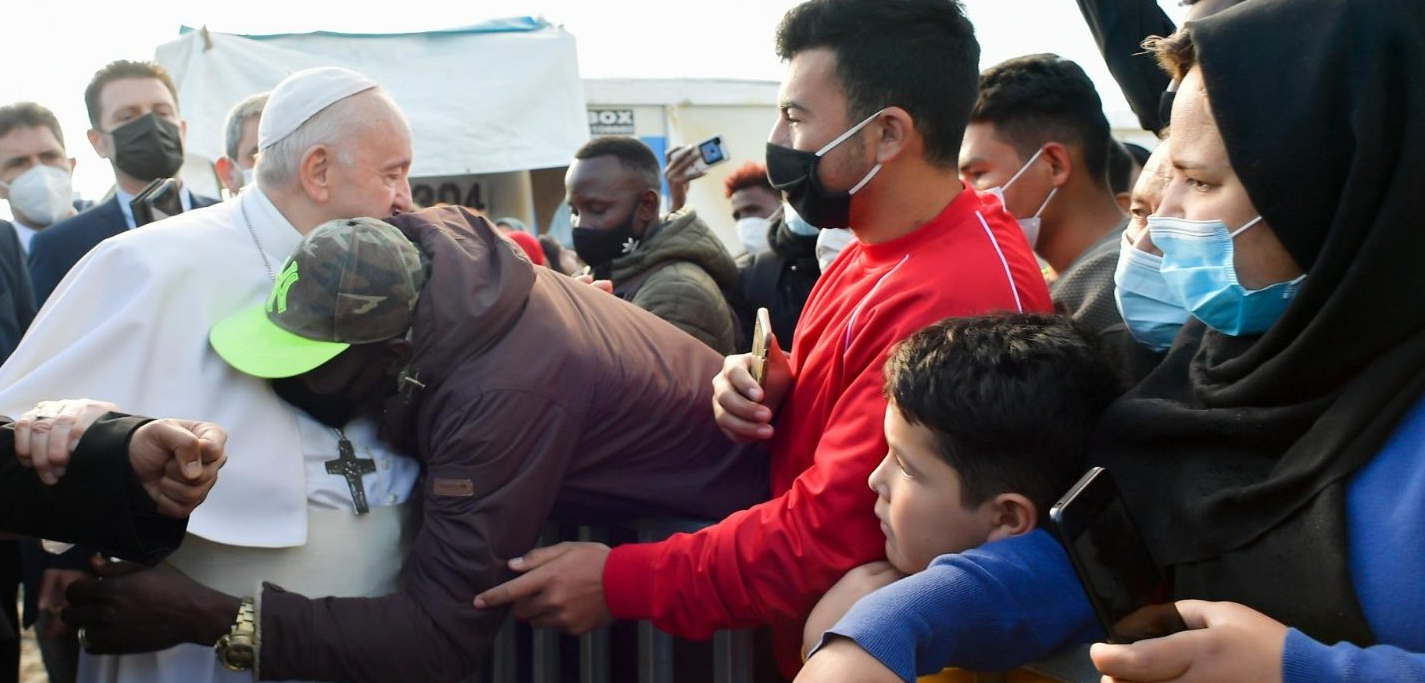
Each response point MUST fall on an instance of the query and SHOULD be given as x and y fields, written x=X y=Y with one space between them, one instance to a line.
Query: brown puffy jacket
x=543 y=397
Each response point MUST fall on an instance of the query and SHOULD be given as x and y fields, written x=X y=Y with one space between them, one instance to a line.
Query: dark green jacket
x=678 y=273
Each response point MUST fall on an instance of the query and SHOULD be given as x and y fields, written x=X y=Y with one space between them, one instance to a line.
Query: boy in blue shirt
x=988 y=421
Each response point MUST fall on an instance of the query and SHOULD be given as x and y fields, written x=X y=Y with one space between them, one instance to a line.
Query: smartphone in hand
x=1130 y=596
x=762 y=342
x=711 y=152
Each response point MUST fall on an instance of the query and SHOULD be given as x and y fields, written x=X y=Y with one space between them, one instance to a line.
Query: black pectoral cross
x=352 y=467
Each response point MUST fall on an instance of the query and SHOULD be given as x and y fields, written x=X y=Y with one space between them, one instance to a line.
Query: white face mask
x=829 y=245
x=43 y=194
x=752 y=230
x=1030 y=225
x=246 y=177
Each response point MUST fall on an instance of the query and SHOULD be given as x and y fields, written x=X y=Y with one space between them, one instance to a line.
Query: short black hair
x=1011 y=400
x=29 y=115
x=631 y=153
x=1120 y=167
x=1037 y=99
x=116 y=70
x=919 y=55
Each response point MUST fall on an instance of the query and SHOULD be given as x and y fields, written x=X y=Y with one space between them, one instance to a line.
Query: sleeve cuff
x=884 y=652
x=628 y=581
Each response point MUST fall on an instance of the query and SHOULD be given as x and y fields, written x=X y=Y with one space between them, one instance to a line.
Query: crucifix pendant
x=351 y=467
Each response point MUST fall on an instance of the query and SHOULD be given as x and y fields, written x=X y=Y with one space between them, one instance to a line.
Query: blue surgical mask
x=1198 y=268
x=1151 y=310
x=796 y=223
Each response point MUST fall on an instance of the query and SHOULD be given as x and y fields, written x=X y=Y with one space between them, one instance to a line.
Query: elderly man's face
x=371 y=180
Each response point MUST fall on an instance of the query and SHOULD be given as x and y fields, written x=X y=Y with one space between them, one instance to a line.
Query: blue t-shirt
x=1016 y=601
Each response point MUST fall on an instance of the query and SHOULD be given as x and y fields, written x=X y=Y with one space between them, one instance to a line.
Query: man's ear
x=648 y=204
x=898 y=135
x=1061 y=163
x=1011 y=514
x=314 y=170
x=226 y=169
x=96 y=140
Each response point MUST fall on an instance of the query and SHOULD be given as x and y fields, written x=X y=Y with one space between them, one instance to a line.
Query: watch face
x=235 y=654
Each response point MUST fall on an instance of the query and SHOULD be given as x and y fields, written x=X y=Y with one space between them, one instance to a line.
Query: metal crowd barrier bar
x=732 y=650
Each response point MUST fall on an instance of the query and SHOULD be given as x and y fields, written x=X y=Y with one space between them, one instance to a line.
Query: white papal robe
x=129 y=324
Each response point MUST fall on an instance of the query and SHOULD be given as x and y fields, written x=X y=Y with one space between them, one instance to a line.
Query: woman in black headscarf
x=1276 y=458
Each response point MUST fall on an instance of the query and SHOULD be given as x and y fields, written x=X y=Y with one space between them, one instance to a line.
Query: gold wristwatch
x=237 y=649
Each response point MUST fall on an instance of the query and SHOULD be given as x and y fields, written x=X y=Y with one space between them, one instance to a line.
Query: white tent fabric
x=492 y=98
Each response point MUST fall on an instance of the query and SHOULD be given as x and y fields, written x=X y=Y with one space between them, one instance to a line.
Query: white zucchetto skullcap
x=301 y=95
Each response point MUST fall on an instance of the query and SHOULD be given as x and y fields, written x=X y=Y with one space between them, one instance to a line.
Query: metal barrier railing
x=732 y=651
x=732 y=656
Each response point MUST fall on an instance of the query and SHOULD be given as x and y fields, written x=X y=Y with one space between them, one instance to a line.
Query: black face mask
x=332 y=410
x=149 y=147
x=794 y=173
x=597 y=247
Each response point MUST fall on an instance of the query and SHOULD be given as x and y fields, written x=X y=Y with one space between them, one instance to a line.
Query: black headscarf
x=1234 y=453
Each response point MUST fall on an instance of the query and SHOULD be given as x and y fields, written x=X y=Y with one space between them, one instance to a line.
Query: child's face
x=919 y=500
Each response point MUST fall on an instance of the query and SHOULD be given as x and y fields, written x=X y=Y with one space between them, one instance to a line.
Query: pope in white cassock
x=130 y=325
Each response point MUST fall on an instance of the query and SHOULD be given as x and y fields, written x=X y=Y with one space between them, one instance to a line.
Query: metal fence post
x=594 y=646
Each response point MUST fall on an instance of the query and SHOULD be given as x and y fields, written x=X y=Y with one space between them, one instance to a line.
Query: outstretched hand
x=128 y=608
x=562 y=587
x=605 y=286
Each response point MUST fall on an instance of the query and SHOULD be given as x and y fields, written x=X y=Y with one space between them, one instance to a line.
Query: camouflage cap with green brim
x=351 y=281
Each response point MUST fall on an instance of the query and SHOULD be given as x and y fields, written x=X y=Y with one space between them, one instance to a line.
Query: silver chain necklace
x=271 y=275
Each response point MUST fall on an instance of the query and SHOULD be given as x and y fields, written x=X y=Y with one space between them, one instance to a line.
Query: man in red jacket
x=873 y=108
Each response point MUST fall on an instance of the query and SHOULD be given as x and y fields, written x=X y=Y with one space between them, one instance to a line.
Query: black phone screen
x=1131 y=597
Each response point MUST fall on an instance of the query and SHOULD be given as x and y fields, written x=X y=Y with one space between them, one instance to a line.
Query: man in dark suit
x=35 y=172
x=133 y=111
x=34 y=179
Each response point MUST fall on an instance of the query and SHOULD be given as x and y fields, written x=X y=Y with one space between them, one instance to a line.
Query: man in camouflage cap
x=351 y=281
x=525 y=395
